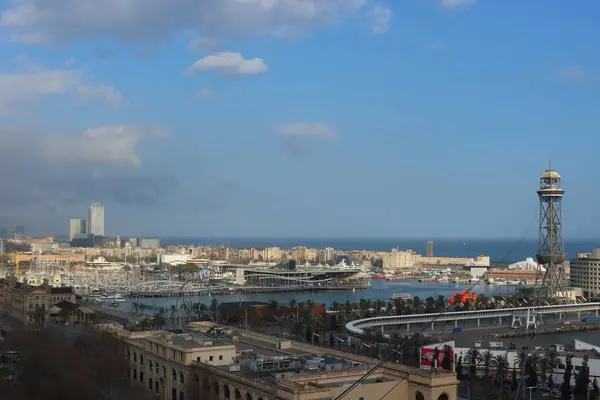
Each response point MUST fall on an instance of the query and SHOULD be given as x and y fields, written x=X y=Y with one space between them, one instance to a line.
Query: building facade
x=398 y=259
x=96 y=219
x=585 y=274
x=430 y=249
x=213 y=362
x=77 y=228
x=31 y=303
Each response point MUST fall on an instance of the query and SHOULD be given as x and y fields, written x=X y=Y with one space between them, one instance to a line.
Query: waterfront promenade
x=245 y=290
x=357 y=327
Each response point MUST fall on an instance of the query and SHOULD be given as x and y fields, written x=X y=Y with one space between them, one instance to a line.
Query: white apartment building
x=585 y=273
x=397 y=259
x=96 y=219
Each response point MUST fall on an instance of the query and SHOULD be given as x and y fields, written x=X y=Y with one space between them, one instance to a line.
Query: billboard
x=426 y=357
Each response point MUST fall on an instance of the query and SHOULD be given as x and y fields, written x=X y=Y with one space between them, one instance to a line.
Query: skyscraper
x=19 y=232
x=430 y=249
x=77 y=228
x=2 y=247
x=96 y=219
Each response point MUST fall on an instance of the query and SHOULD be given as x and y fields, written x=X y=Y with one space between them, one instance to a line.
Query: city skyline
x=428 y=119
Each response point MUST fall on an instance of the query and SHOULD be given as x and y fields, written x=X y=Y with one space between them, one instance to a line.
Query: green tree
x=158 y=321
x=566 y=385
x=543 y=367
x=447 y=360
x=459 y=367
x=582 y=380
x=530 y=367
x=513 y=380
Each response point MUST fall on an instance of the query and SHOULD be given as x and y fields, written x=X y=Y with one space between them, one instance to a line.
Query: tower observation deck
x=551 y=253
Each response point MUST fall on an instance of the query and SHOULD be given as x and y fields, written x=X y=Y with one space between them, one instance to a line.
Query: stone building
x=31 y=303
x=212 y=362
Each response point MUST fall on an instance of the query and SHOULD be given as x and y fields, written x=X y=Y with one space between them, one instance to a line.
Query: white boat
x=500 y=281
x=112 y=298
x=401 y=296
x=514 y=282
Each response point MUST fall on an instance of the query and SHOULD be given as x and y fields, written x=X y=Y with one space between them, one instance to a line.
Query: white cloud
x=20 y=90
x=206 y=94
x=114 y=145
x=104 y=93
x=65 y=171
x=60 y=21
x=202 y=44
x=452 y=4
x=380 y=20
x=229 y=64
x=306 y=130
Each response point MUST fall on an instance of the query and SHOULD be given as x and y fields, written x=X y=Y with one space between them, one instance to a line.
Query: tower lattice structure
x=551 y=252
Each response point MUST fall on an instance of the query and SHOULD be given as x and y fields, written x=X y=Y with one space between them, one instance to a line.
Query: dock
x=247 y=290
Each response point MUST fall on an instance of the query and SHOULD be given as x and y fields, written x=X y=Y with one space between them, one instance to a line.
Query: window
x=150 y=366
x=181 y=397
x=198 y=359
x=173 y=394
x=150 y=384
x=156 y=385
x=181 y=379
x=220 y=357
x=141 y=359
x=141 y=376
x=134 y=356
x=210 y=358
x=134 y=373
x=174 y=374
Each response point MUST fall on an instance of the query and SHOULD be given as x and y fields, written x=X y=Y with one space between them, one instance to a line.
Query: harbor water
x=380 y=290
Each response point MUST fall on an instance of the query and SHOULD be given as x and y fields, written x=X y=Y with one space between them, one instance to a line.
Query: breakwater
x=247 y=290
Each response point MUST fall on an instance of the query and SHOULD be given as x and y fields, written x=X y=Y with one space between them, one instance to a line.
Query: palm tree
x=64 y=314
x=521 y=359
x=500 y=362
x=447 y=360
x=553 y=362
x=158 y=321
x=39 y=314
x=543 y=366
x=485 y=359
x=472 y=357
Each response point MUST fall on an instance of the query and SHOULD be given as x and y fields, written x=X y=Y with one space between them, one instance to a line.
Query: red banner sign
x=427 y=357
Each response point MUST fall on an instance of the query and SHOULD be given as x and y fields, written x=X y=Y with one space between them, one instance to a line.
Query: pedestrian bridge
x=356 y=327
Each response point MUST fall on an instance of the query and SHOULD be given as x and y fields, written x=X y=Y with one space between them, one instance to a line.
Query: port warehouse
x=287 y=274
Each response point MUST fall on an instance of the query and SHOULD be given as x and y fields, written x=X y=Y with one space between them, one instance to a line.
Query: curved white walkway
x=356 y=327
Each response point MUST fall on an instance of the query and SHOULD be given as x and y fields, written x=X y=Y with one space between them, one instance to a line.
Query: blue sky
x=353 y=118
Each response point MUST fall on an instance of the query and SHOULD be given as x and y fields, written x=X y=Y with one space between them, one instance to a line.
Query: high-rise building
x=19 y=232
x=77 y=228
x=585 y=270
x=96 y=220
x=2 y=248
x=430 y=249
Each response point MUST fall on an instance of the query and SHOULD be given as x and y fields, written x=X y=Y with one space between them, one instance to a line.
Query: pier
x=247 y=290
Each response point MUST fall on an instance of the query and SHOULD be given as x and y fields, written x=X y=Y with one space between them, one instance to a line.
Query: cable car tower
x=551 y=252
